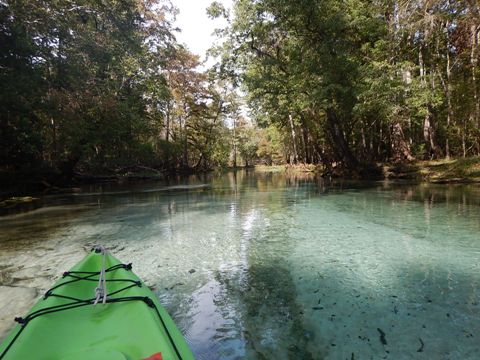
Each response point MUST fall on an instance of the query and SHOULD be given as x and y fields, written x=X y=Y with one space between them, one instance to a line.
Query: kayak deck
x=66 y=324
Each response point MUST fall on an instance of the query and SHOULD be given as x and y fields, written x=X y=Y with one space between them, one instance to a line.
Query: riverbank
x=46 y=182
x=463 y=170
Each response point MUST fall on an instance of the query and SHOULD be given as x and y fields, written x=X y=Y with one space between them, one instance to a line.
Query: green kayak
x=99 y=310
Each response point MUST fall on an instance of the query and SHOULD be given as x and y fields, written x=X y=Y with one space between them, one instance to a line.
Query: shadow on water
x=23 y=230
x=419 y=314
x=270 y=318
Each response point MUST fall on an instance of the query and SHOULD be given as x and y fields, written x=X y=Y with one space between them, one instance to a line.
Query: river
x=268 y=266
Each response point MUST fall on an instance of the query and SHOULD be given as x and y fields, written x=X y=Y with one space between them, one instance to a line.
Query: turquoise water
x=266 y=266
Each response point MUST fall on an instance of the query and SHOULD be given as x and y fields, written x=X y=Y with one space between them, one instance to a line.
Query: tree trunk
x=292 y=128
x=421 y=65
x=340 y=145
x=429 y=132
x=427 y=135
x=234 y=142
x=185 y=144
x=400 y=147
x=304 y=144
x=167 y=125
x=306 y=140
x=448 y=93
x=473 y=64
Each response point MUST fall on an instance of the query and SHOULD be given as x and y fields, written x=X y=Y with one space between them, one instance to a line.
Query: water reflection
x=268 y=265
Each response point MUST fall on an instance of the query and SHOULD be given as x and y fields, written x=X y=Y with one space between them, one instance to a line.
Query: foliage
x=248 y=144
x=104 y=85
x=90 y=85
x=357 y=82
x=270 y=150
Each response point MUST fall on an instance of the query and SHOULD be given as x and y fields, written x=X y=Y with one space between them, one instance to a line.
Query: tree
x=79 y=82
x=358 y=82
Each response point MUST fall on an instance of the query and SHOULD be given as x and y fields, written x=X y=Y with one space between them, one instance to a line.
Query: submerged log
x=382 y=336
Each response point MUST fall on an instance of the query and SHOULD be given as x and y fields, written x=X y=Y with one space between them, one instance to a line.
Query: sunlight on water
x=264 y=266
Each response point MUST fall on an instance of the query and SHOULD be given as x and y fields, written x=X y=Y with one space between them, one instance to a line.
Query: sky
x=196 y=26
x=197 y=30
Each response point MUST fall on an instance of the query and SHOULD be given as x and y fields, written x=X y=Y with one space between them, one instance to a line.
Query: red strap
x=156 y=356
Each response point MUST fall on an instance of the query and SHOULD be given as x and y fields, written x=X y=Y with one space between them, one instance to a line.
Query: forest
x=104 y=87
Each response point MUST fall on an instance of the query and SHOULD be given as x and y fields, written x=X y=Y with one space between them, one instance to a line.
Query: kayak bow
x=79 y=319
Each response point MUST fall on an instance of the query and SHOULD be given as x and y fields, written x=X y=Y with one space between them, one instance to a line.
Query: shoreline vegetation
x=443 y=171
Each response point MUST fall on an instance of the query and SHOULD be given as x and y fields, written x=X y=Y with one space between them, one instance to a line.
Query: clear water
x=265 y=266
